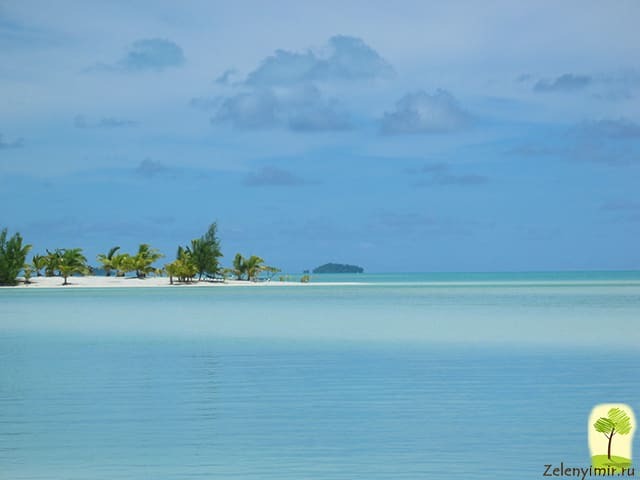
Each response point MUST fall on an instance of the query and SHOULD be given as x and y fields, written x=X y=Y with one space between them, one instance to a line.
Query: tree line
x=197 y=260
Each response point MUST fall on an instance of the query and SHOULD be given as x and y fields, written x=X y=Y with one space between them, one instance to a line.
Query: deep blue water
x=358 y=382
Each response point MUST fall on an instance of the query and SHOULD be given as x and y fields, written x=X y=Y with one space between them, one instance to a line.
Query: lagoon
x=401 y=377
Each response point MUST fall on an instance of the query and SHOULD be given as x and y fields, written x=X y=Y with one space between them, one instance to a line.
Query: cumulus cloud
x=7 y=145
x=422 y=113
x=345 y=58
x=440 y=174
x=284 y=91
x=298 y=108
x=566 y=83
x=80 y=121
x=148 y=54
x=272 y=176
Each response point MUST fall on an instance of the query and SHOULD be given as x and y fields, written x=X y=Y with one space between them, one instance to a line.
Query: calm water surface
x=389 y=381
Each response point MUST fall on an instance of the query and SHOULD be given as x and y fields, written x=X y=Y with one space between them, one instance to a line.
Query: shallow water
x=374 y=382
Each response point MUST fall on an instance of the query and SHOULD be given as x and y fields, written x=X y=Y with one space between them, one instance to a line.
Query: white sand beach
x=92 y=281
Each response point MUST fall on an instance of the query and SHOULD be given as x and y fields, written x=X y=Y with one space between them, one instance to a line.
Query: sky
x=400 y=136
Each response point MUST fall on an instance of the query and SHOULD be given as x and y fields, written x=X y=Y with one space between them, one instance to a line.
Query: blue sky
x=418 y=136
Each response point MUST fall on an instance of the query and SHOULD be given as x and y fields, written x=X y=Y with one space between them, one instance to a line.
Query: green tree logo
x=617 y=422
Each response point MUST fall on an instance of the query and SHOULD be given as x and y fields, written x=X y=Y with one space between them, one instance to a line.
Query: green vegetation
x=39 y=262
x=184 y=267
x=616 y=421
x=142 y=262
x=119 y=262
x=338 y=268
x=201 y=258
x=70 y=261
x=13 y=255
x=250 y=268
x=238 y=266
x=27 y=272
x=50 y=264
x=205 y=252
x=107 y=260
x=63 y=262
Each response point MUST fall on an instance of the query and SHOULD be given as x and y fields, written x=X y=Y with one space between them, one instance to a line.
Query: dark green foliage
x=338 y=268
x=12 y=257
x=205 y=252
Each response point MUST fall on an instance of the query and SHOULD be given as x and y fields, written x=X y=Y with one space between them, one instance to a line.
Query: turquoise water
x=464 y=378
x=489 y=277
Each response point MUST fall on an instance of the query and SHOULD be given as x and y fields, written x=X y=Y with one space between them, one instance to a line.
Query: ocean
x=412 y=376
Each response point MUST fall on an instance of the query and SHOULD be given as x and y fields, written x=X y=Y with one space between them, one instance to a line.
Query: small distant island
x=338 y=268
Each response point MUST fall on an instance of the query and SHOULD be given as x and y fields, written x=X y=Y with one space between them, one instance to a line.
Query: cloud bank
x=348 y=59
x=285 y=90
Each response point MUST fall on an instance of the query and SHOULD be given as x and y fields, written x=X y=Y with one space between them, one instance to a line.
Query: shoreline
x=98 y=281
x=94 y=281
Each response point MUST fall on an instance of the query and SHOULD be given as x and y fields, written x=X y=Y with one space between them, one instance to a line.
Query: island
x=338 y=268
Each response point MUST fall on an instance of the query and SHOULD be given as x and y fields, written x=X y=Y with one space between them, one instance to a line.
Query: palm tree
x=51 y=263
x=184 y=266
x=253 y=266
x=71 y=261
x=28 y=271
x=121 y=264
x=107 y=260
x=12 y=257
x=205 y=252
x=238 y=266
x=39 y=262
x=143 y=260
